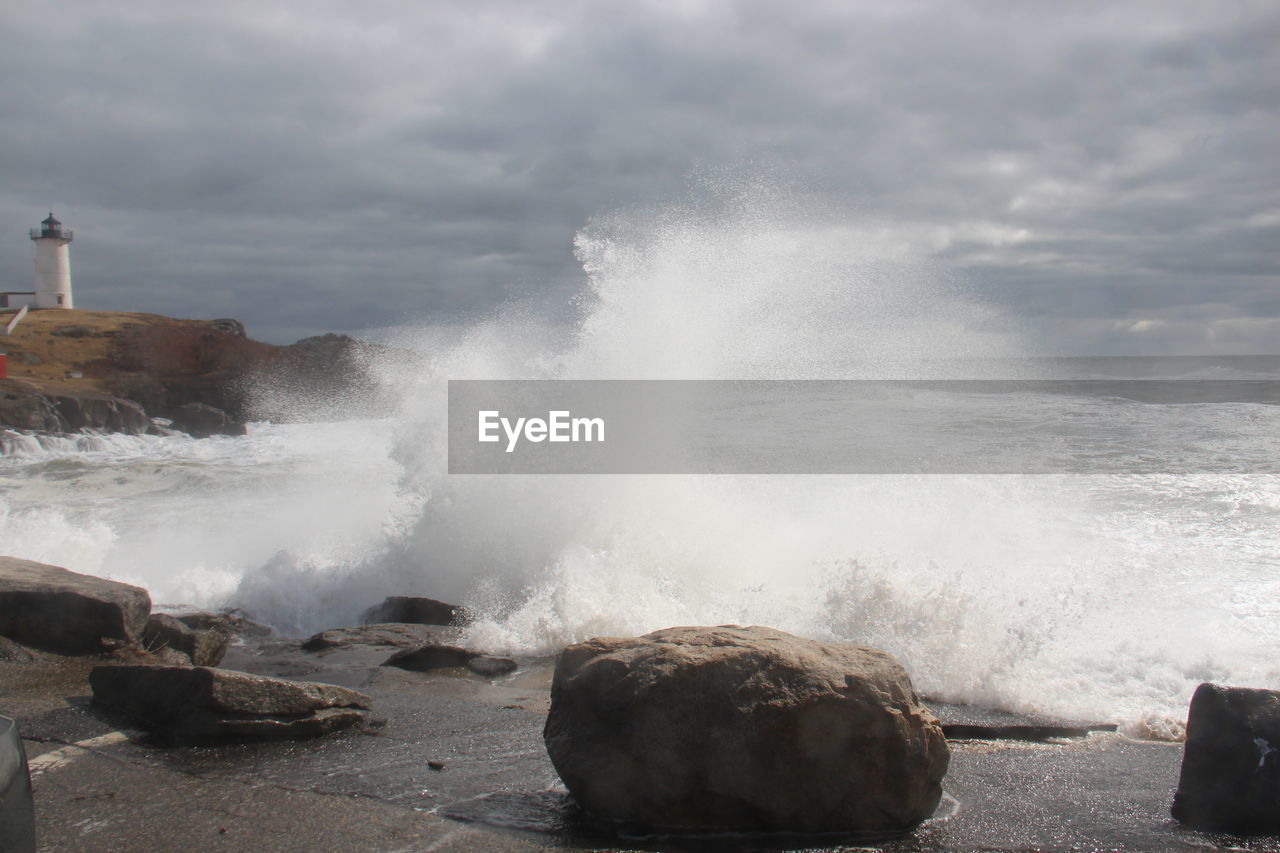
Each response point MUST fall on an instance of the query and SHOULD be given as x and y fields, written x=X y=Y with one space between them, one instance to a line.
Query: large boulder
x=408 y=608
x=1230 y=778
x=50 y=608
x=202 y=647
x=192 y=704
x=744 y=729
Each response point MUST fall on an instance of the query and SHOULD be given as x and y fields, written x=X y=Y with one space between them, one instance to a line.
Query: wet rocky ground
x=453 y=760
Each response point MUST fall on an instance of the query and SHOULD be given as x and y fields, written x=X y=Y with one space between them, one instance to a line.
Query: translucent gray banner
x=862 y=427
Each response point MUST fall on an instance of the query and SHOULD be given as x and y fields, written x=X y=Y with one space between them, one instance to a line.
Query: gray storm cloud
x=1105 y=174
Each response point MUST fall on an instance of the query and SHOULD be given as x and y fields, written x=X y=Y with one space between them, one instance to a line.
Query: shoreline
x=453 y=759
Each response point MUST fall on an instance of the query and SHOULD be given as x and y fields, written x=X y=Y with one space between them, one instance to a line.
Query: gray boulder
x=1230 y=779
x=427 y=658
x=50 y=608
x=193 y=704
x=407 y=608
x=202 y=648
x=743 y=729
x=200 y=420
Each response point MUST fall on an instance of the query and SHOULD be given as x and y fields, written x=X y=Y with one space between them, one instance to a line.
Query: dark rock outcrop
x=23 y=408
x=230 y=325
x=195 y=704
x=1230 y=779
x=166 y=365
x=101 y=412
x=202 y=421
x=322 y=378
x=427 y=658
x=329 y=361
x=406 y=608
x=401 y=636
x=50 y=608
x=202 y=648
x=745 y=729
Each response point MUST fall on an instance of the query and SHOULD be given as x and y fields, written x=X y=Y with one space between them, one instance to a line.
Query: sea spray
x=1097 y=596
x=1025 y=592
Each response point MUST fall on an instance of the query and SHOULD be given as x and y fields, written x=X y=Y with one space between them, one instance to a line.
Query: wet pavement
x=452 y=761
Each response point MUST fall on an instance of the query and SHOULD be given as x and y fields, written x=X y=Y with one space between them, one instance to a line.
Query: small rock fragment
x=229 y=622
x=398 y=635
x=202 y=648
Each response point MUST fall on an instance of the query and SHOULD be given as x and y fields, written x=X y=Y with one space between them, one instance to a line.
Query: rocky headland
x=108 y=371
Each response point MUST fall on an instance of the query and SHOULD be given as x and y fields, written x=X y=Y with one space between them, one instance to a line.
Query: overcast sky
x=1106 y=174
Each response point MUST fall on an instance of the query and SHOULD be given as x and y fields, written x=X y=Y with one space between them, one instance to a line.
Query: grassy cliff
x=162 y=364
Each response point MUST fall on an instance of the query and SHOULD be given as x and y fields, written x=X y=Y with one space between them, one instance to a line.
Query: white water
x=1105 y=596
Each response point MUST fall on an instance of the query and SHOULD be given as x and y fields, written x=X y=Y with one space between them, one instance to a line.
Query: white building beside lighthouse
x=53 y=265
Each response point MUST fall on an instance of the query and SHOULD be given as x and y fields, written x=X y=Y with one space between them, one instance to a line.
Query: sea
x=1105 y=593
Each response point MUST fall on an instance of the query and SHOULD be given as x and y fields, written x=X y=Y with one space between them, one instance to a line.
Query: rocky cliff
x=120 y=372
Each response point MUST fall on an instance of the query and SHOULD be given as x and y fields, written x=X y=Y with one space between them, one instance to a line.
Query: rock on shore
x=407 y=608
x=25 y=406
x=435 y=656
x=396 y=634
x=202 y=421
x=747 y=729
x=202 y=647
x=57 y=610
x=189 y=704
x=1230 y=779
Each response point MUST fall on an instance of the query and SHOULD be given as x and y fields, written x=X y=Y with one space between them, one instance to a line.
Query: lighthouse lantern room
x=53 y=265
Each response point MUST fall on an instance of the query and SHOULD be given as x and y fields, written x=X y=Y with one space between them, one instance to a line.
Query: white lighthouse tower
x=53 y=265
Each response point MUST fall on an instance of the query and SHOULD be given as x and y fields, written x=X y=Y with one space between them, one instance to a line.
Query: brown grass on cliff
x=157 y=361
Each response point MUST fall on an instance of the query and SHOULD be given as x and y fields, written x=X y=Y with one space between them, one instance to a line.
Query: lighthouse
x=53 y=265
